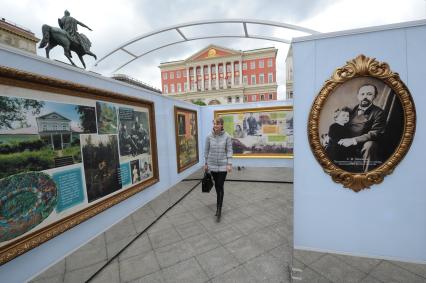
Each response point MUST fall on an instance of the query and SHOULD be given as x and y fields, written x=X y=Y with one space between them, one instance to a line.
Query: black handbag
x=206 y=183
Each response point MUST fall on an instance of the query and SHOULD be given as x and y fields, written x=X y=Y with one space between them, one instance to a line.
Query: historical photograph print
x=37 y=135
x=101 y=165
x=106 y=114
x=146 y=168
x=186 y=138
x=266 y=132
x=360 y=124
x=135 y=170
x=134 y=136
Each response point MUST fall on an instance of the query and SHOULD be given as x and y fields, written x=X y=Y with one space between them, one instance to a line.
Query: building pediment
x=211 y=52
x=53 y=116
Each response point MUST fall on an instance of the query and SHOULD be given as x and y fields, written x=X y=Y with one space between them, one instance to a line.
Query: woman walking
x=218 y=154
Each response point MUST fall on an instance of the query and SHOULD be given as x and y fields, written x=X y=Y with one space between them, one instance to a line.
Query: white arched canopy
x=184 y=38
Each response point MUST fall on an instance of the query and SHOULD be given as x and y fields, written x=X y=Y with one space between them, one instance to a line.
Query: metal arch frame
x=244 y=22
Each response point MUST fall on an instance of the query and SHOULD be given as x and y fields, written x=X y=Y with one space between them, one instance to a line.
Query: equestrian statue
x=67 y=37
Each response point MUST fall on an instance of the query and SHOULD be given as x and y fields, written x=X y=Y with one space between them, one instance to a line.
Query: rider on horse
x=69 y=25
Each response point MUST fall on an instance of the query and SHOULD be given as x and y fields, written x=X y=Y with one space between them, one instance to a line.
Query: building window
x=172 y=75
x=291 y=94
x=179 y=87
x=166 y=89
x=213 y=83
x=165 y=75
x=220 y=83
x=229 y=99
x=244 y=66
x=262 y=97
x=229 y=81
x=237 y=80
x=64 y=127
x=44 y=127
x=55 y=127
x=253 y=65
x=271 y=96
x=198 y=71
x=253 y=79
x=172 y=88
x=184 y=73
x=261 y=64
x=221 y=69
x=270 y=62
x=185 y=87
x=237 y=99
x=270 y=78
x=245 y=80
x=213 y=70
x=228 y=68
x=237 y=67
x=206 y=84
x=253 y=97
x=261 y=79
x=178 y=74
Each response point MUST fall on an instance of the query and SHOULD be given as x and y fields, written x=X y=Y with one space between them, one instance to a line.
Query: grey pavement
x=252 y=242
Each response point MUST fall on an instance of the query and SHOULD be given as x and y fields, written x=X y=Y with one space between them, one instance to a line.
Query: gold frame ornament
x=362 y=67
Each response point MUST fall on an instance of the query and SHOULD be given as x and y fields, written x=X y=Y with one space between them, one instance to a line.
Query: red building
x=218 y=75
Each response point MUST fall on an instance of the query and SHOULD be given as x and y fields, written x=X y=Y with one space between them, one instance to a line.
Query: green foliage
x=18 y=205
x=14 y=109
x=13 y=147
x=199 y=102
x=73 y=151
x=14 y=163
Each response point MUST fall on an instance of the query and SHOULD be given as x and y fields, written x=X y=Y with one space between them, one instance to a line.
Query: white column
x=232 y=70
x=241 y=71
x=210 y=77
x=202 y=78
x=224 y=74
x=195 y=78
x=217 y=76
x=188 y=86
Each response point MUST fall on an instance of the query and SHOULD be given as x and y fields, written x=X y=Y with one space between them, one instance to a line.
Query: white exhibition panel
x=388 y=220
x=207 y=115
x=39 y=259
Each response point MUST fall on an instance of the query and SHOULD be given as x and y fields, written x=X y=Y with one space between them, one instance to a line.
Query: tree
x=87 y=118
x=13 y=109
x=199 y=102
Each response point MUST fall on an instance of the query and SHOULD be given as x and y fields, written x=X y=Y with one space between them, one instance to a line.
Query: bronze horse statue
x=53 y=36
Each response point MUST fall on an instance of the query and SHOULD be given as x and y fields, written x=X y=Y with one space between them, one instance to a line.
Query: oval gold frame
x=362 y=66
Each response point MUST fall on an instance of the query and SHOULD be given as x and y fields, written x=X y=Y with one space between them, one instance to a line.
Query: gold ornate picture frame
x=362 y=123
x=67 y=153
x=186 y=129
x=264 y=132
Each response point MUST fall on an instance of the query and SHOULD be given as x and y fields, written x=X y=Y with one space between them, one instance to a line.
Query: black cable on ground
x=139 y=234
x=248 y=181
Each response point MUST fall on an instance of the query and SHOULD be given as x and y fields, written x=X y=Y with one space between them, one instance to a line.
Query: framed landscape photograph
x=67 y=152
x=186 y=137
x=362 y=123
x=260 y=132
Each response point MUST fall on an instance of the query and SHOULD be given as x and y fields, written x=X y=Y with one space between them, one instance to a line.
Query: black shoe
x=219 y=213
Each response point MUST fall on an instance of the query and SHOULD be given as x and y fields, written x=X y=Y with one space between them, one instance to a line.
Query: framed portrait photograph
x=67 y=152
x=361 y=123
x=260 y=132
x=186 y=137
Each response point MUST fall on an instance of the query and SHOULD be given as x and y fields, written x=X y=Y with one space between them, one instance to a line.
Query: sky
x=117 y=22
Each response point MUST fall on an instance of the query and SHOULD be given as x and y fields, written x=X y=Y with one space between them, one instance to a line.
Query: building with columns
x=218 y=75
x=289 y=74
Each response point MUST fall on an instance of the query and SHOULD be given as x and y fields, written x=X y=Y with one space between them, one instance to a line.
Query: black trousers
x=219 y=180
